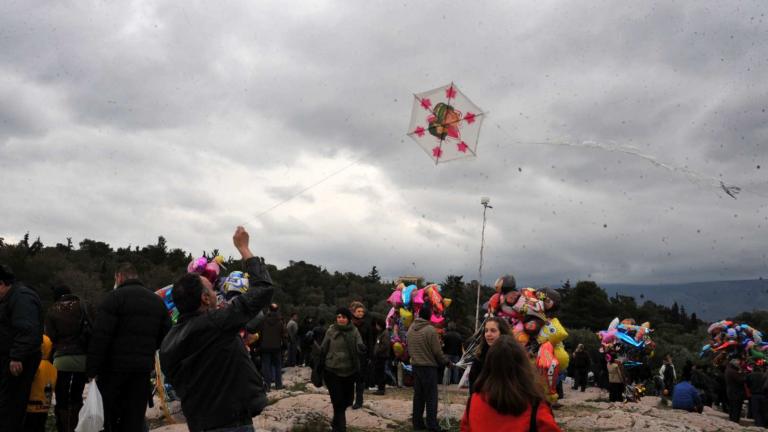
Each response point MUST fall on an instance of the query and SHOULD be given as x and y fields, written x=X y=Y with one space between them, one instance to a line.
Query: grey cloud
x=183 y=120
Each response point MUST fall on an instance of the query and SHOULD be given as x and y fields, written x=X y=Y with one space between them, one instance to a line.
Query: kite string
x=692 y=176
x=315 y=184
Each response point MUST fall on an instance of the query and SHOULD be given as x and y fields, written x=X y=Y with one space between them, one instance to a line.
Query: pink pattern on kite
x=426 y=103
x=437 y=152
x=469 y=117
x=419 y=131
x=450 y=92
x=462 y=147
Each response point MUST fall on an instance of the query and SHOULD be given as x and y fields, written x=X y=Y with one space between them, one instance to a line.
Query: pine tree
x=373 y=276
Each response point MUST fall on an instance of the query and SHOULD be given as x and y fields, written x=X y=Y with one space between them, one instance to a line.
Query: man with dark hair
x=203 y=356
x=21 y=335
x=130 y=324
x=426 y=355
x=685 y=396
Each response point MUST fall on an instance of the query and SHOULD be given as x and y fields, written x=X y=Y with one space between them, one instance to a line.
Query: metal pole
x=480 y=269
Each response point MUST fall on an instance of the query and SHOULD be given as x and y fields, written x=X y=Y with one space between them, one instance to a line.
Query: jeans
x=293 y=352
x=272 y=368
x=425 y=396
x=453 y=373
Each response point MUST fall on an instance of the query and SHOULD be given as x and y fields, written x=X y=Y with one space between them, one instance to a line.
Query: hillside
x=709 y=300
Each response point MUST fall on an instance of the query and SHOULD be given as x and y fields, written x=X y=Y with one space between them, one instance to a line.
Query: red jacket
x=482 y=417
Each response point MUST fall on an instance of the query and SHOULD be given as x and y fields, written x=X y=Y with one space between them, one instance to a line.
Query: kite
x=446 y=124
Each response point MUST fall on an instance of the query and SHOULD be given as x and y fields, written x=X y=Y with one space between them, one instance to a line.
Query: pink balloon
x=390 y=317
x=395 y=299
x=211 y=272
x=418 y=297
x=437 y=319
x=197 y=265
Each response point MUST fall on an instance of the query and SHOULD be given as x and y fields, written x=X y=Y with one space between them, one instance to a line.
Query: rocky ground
x=301 y=407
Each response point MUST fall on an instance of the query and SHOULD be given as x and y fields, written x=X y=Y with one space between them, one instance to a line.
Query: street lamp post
x=485 y=201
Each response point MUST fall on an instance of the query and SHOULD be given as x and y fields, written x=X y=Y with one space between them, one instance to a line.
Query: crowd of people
x=242 y=346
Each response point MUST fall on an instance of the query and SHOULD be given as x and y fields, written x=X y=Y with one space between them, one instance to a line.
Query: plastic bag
x=464 y=381
x=91 y=417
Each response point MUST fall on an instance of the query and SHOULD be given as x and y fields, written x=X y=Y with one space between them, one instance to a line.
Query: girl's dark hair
x=503 y=329
x=508 y=381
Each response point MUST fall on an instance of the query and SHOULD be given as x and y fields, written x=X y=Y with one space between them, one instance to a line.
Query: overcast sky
x=123 y=121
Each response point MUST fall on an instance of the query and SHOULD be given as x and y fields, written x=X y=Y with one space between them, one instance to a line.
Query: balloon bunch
x=226 y=288
x=530 y=314
x=627 y=341
x=731 y=340
x=406 y=302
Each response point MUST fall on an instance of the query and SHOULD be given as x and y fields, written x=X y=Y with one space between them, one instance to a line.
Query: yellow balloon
x=522 y=338
x=553 y=332
x=397 y=347
x=562 y=356
x=407 y=317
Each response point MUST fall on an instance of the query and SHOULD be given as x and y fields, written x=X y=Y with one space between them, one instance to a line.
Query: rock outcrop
x=300 y=403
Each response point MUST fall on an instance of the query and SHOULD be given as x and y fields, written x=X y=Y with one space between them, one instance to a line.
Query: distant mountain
x=710 y=300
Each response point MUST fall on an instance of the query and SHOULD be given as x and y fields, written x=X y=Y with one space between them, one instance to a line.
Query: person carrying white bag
x=91 y=417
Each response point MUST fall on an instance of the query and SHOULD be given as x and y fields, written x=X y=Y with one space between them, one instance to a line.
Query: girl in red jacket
x=508 y=395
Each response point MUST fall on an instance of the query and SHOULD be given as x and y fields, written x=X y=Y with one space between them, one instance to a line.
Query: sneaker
x=357 y=406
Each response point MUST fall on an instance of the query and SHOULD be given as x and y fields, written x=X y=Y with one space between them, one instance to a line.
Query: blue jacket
x=685 y=396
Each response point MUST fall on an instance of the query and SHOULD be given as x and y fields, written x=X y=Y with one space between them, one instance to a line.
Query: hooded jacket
x=206 y=362
x=342 y=348
x=44 y=383
x=424 y=344
x=21 y=324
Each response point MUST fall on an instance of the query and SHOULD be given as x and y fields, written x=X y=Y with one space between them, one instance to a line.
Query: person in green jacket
x=426 y=356
x=341 y=349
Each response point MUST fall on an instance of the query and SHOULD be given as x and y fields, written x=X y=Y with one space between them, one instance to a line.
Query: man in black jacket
x=21 y=334
x=130 y=324
x=203 y=357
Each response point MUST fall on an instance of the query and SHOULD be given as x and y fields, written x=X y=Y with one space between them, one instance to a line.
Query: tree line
x=312 y=290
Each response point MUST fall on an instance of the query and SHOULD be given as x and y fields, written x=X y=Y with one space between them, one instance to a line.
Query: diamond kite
x=446 y=124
